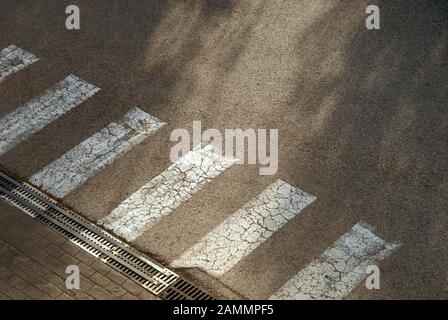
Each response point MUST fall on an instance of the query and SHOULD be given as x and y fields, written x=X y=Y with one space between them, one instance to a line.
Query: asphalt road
x=362 y=119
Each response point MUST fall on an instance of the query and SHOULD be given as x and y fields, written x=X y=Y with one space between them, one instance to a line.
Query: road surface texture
x=86 y=116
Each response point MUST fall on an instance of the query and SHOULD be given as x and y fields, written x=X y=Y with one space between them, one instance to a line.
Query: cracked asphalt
x=63 y=175
x=244 y=231
x=165 y=193
x=362 y=119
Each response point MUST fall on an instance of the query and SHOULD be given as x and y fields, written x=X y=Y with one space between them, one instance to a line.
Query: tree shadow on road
x=378 y=112
x=373 y=102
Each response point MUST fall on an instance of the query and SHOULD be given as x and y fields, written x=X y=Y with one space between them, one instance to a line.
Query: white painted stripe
x=75 y=167
x=39 y=112
x=166 y=192
x=339 y=269
x=13 y=59
x=246 y=229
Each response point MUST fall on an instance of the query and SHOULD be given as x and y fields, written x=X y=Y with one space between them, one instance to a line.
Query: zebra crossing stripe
x=82 y=162
x=39 y=112
x=339 y=269
x=166 y=192
x=246 y=229
x=13 y=59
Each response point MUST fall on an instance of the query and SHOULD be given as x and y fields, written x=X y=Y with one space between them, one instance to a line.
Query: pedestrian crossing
x=37 y=113
x=333 y=275
x=246 y=229
x=340 y=269
x=13 y=59
x=82 y=162
x=166 y=192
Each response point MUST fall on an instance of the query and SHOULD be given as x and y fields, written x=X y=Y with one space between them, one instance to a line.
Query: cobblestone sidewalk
x=33 y=259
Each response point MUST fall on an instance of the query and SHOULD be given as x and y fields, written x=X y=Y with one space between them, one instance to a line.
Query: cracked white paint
x=75 y=167
x=39 y=112
x=166 y=192
x=339 y=269
x=13 y=59
x=246 y=229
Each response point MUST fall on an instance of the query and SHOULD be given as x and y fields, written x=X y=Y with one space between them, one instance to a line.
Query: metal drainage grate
x=110 y=250
x=184 y=290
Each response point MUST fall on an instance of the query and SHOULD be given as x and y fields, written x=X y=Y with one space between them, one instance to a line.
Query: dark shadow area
x=114 y=41
x=138 y=52
x=386 y=133
x=213 y=6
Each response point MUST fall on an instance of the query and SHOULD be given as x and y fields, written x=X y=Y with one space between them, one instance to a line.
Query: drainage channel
x=157 y=279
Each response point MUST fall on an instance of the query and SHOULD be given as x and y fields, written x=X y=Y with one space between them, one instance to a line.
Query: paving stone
x=54 y=278
x=128 y=296
x=6 y=273
x=40 y=241
x=53 y=237
x=81 y=295
x=34 y=258
x=68 y=260
x=35 y=267
x=3 y=297
x=100 y=267
x=146 y=295
x=99 y=293
x=116 y=277
x=51 y=290
x=16 y=294
x=42 y=231
x=4 y=286
x=55 y=265
x=85 y=270
x=35 y=253
x=36 y=280
x=5 y=215
x=7 y=255
x=85 y=258
x=54 y=251
x=115 y=289
x=132 y=287
x=64 y=296
x=33 y=292
x=18 y=282
x=70 y=248
x=100 y=280
x=85 y=283
x=22 y=271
